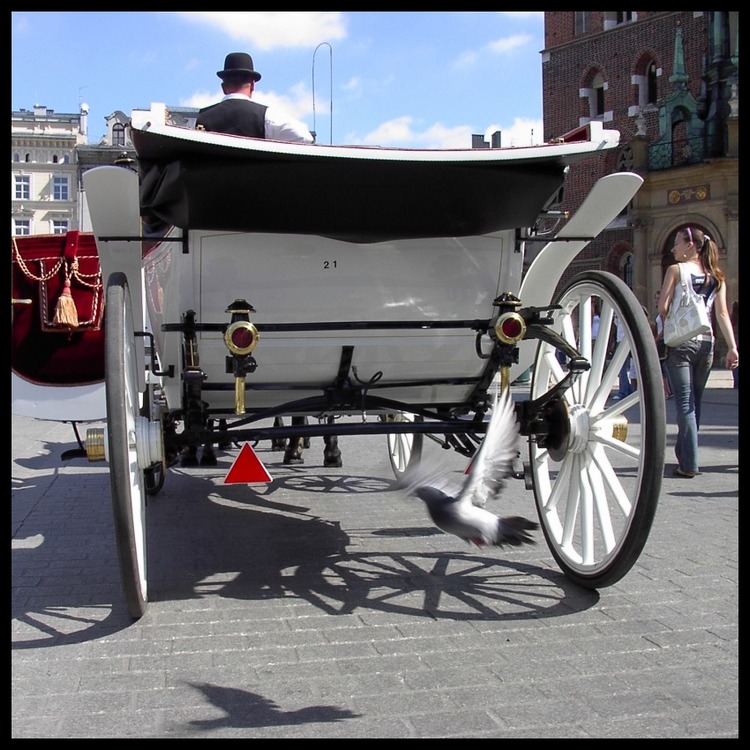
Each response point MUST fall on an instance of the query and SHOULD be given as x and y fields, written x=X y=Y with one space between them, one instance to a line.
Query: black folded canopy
x=196 y=185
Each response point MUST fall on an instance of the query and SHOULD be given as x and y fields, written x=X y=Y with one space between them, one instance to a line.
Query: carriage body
x=315 y=298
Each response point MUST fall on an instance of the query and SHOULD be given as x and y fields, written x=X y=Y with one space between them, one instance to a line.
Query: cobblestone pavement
x=326 y=605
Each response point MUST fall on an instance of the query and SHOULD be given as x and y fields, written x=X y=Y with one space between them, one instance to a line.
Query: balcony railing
x=678 y=153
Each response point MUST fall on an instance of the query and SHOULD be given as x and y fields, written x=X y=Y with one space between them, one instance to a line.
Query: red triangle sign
x=247 y=468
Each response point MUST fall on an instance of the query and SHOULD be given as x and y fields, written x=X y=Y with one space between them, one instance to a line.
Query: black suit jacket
x=236 y=117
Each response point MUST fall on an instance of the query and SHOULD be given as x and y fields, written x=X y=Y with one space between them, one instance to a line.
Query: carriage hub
x=570 y=428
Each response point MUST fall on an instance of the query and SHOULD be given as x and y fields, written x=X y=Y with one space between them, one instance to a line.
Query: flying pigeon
x=460 y=510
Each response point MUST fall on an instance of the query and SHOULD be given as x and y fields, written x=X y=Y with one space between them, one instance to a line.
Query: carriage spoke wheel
x=123 y=409
x=597 y=475
x=404 y=449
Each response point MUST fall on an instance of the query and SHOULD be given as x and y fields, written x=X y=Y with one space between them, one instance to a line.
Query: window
x=618 y=17
x=593 y=98
x=651 y=83
x=60 y=189
x=118 y=134
x=23 y=187
x=22 y=226
x=645 y=81
x=596 y=97
x=583 y=21
x=59 y=226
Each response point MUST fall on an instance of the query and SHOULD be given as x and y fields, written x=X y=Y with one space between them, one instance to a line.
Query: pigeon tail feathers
x=514 y=531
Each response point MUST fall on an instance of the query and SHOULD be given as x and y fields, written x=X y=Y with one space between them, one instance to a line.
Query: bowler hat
x=238 y=64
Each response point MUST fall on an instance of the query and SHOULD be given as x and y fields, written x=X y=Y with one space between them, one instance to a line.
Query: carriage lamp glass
x=241 y=337
x=510 y=328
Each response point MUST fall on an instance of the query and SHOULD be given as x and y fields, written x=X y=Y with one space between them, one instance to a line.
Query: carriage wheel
x=597 y=475
x=404 y=449
x=123 y=409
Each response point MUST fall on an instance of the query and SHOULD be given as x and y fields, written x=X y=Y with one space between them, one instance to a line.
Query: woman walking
x=689 y=364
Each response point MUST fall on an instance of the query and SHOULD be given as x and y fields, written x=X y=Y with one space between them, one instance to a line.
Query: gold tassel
x=66 y=313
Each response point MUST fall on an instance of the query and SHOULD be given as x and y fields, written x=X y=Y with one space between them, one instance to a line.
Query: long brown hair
x=707 y=250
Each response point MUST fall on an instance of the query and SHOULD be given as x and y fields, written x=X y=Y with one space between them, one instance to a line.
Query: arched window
x=651 y=83
x=118 y=134
x=596 y=101
x=592 y=95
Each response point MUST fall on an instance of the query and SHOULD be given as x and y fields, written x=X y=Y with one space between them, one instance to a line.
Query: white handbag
x=688 y=314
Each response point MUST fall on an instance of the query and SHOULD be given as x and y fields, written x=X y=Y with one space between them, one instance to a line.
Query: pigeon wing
x=494 y=459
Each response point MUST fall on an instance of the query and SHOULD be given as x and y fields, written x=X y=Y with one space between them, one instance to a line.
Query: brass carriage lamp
x=241 y=338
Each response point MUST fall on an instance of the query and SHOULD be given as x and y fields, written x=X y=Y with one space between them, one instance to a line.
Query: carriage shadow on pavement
x=243 y=543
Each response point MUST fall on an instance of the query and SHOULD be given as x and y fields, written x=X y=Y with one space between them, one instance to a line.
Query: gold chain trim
x=27 y=272
x=73 y=272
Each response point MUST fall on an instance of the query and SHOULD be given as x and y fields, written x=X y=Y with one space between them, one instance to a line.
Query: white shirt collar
x=236 y=96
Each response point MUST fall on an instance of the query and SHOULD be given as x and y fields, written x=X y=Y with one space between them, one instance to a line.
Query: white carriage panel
x=308 y=279
x=304 y=278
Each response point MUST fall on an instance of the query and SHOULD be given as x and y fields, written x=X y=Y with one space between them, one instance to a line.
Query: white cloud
x=275 y=29
x=508 y=43
x=355 y=84
x=202 y=99
x=397 y=131
x=523 y=132
x=297 y=103
x=401 y=133
x=466 y=59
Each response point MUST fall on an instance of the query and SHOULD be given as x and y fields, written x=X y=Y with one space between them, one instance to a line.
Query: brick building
x=669 y=82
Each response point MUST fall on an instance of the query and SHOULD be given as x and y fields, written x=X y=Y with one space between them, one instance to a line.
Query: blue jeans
x=689 y=366
x=624 y=380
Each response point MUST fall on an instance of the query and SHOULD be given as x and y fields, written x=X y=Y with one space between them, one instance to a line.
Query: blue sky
x=402 y=79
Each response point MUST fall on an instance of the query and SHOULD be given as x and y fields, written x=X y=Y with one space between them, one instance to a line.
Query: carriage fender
x=607 y=198
x=112 y=197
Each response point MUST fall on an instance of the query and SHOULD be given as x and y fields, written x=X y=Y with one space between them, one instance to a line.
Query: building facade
x=669 y=82
x=50 y=153
x=44 y=198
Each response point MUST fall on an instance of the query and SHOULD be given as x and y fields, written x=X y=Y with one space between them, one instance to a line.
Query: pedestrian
x=625 y=388
x=595 y=320
x=661 y=348
x=632 y=374
x=735 y=316
x=237 y=114
x=689 y=364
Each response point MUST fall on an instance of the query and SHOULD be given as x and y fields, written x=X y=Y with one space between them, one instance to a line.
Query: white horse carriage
x=290 y=280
